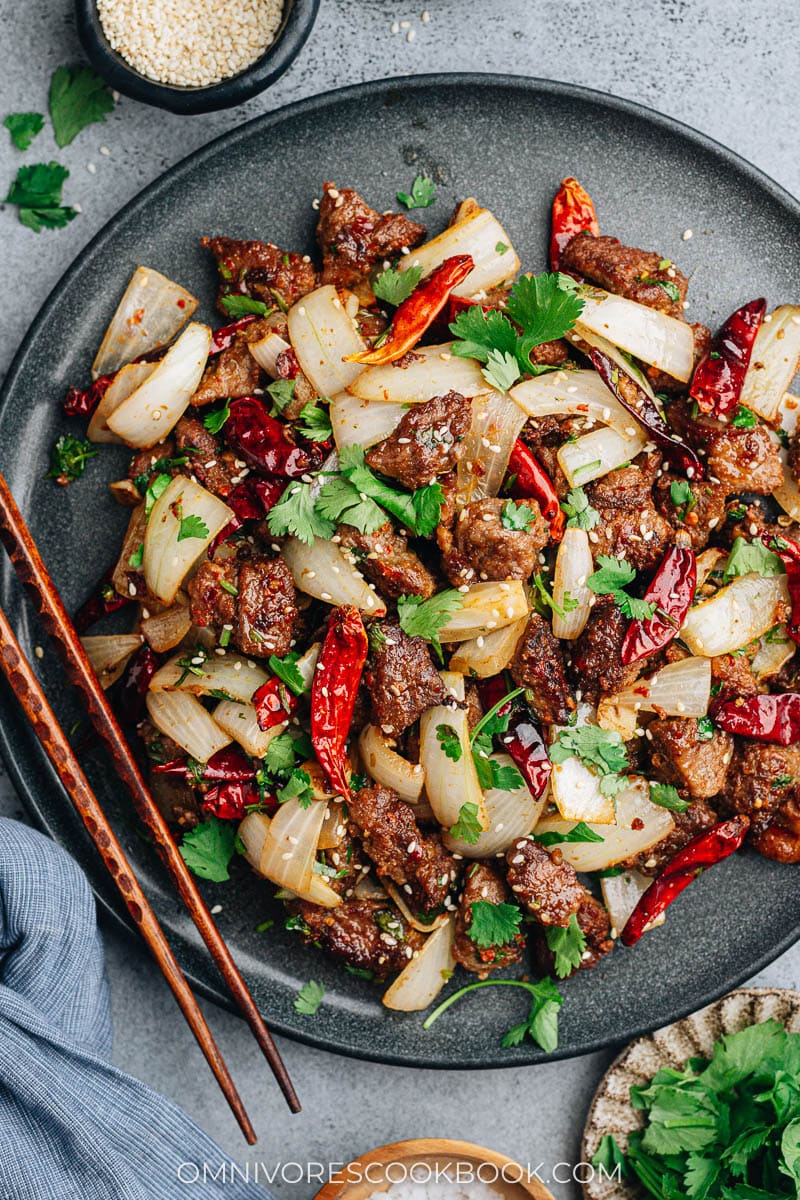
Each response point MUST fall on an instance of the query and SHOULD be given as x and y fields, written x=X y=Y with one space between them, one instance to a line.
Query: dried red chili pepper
x=772 y=718
x=636 y=401
x=104 y=599
x=717 y=381
x=708 y=848
x=229 y=765
x=788 y=552
x=230 y=801
x=573 y=212
x=333 y=693
x=81 y=402
x=129 y=702
x=250 y=500
x=418 y=312
x=222 y=338
x=263 y=443
x=533 y=483
x=274 y=703
x=523 y=740
x=672 y=591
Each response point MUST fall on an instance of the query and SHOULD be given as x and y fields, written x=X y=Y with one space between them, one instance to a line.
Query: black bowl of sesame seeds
x=193 y=56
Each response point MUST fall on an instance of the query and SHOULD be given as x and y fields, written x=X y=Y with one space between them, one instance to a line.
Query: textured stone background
x=728 y=69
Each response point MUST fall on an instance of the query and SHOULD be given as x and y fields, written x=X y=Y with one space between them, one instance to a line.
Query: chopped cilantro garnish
x=450 y=742
x=298 y=787
x=468 y=827
x=214 y=421
x=579 y=833
x=192 y=527
x=748 y=558
x=137 y=558
x=295 y=514
x=281 y=393
x=667 y=796
x=424 y=618
x=208 y=849
x=493 y=924
x=744 y=418
x=611 y=579
x=501 y=370
x=69 y=457
x=567 y=945
x=314 y=423
x=393 y=286
x=309 y=998
x=517 y=516
x=501 y=248
x=545 y=599
x=705 y=729
x=24 y=127
x=238 y=305
x=422 y=195
x=78 y=97
x=579 y=511
x=156 y=488
x=287 y=671
x=602 y=749
x=668 y=286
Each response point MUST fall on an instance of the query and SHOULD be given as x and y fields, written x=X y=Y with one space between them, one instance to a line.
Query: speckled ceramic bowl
x=611 y=1110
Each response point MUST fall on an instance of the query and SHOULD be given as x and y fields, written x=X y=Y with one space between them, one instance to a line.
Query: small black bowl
x=296 y=24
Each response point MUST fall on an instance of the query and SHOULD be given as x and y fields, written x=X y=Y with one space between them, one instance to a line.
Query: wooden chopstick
x=35 y=578
x=44 y=722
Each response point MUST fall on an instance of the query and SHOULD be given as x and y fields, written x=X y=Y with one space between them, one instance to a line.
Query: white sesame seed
x=687 y=235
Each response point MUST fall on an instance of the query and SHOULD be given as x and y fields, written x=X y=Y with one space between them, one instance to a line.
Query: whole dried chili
x=573 y=212
x=229 y=765
x=643 y=409
x=531 y=482
x=522 y=740
x=130 y=699
x=104 y=599
x=717 y=381
x=230 y=801
x=81 y=402
x=274 y=703
x=708 y=848
x=418 y=312
x=250 y=500
x=333 y=693
x=222 y=338
x=672 y=591
x=770 y=718
x=788 y=552
x=263 y=442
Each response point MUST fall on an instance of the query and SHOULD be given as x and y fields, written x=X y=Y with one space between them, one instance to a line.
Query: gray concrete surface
x=727 y=68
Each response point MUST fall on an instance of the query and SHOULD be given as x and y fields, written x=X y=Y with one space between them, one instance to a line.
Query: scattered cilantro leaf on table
x=493 y=924
x=69 y=457
x=393 y=286
x=36 y=192
x=309 y=998
x=24 y=127
x=208 y=849
x=567 y=945
x=78 y=97
x=468 y=827
x=422 y=195
x=541 y=1024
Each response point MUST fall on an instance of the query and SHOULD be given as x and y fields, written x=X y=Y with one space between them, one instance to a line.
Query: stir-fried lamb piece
x=367 y=935
x=385 y=559
x=762 y=779
x=682 y=754
x=629 y=526
x=483 y=883
x=697 y=817
x=231 y=373
x=260 y=270
x=146 y=463
x=781 y=839
x=696 y=507
x=496 y=539
x=741 y=460
x=641 y=275
x=426 y=443
x=211 y=465
x=256 y=597
x=793 y=455
x=752 y=521
x=389 y=832
x=543 y=882
x=402 y=679
x=594 y=924
x=354 y=238
x=732 y=676
x=596 y=667
x=538 y=664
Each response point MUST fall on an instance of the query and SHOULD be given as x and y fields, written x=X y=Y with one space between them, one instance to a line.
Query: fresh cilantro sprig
x=36 y=192
x=545 y=599
x=309 y=998
x=340 y=500
x=192 y=526
x=78 y=97
x=611 y=579
x=393 y=286
x=24 y=127
x=297 y=787
x=281 y=393
x=748 y=558
x=418 y=511
x=493 y=924
x=422 y=195
x=296 y=514
x=667 y=796
x=579 y=833
x=491 y=773
x=208 y=849
x=602 y=749
x=468 y=827
x=215 y=421
x=450 y=742
x=425 y=618
x=578 y=510
x=541 y=1024
x=517 y=517
x=157 y=486
x=237 y=305
x=567 y=944
x=69 y=457
x=314 y=423
x=288 y=672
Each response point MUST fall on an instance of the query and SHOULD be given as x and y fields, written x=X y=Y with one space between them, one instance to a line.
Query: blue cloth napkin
x=72 y=1127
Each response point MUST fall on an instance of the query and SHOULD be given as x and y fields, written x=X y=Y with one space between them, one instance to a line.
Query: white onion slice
x=322 y=334
x=387 y=767
x=165 y=630
x=362 y=422
x=774 y=361
x=620 y=840
x=108 y=654
x=772 y=655
x=432 y=371
x=240 y=721
x=420 y=982
x=572 y=394
x=238 y=677
x=152 y=411
x=573 y=567
x=595 y=454
x=582 y=333
x=621 y=894
x=735 y=615
x=486 y=607
x=168 y=558
x=575 y=788
x=512 y=815
x=126 y=381
x=150 y=313
x=496 y=424
x=707 y=562
x=265 y=847
x=679 y=689
x=133 y=539
x=182 y=717
x=334 y=827
x=448 y=784
x=322 y=570
x=485 y=656
x=480 y=234
x=266 y=351
x=662 y=341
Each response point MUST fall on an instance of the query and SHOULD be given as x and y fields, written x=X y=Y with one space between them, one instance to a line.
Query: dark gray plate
x=509 y=142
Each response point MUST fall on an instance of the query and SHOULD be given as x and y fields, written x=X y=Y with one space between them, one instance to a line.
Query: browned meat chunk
x=146 y=463
x=793 y=455
x=231 y=373
x=741 y=460
x=597 y=669
x=538 y=664
x=266 y=607
x=751 y=521
x=764 y=777
x=629 y=526
x=697 y=817
x=496 y=539
x=595 y=926
x=732 y=676
x=628 y=487
x=391 y=837
x=426 y=443
x=212 y=592
x=402 y=680
x=211 y=466
x=781 y=839
x=354 y=238
x=385 y=559
x=695 y=506
x=638 y=274
x=680 y=754
x=368 y=935
x=259 y=269
x=546 y=885
x=550 y=354
x=484 y=884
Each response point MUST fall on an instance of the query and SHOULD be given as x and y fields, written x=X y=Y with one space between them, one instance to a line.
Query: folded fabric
x=73 y=1127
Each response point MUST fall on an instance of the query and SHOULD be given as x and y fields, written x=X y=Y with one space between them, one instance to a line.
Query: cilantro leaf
x=492 y=774
x=748 y=558
x=468 y=827
x=236 y=305
x=579 y=511
x=208 y=849
x=36 y=191
x=579 y=833
x=493 y=924
x=603 y=749
x=393 y=286
x=611 y=578
x=667 y=796
x=545 y=599
x=545 y=307
x=281 y=393
x=314 y=423
x=567 y=944
x=680 y=492
x=744 y=418
x=340 y=500
x=69 y=457
x=478 y=333
x=298 y=787
x=192 y=527
x=280 y=756
x=501 y=370
x=419 y=511
x=450 y=742
x=295 y=514
x=78 y=97
x=541 y=1024
x=287 y=671
x=214 y=421
x=423 y=193
x=137 y=558
x=517 y=516
x=309 y=998
x=424 y=618
x=24 y=127
x=666 y=285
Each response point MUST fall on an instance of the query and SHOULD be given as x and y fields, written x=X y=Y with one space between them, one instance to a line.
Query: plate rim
x=531 y=85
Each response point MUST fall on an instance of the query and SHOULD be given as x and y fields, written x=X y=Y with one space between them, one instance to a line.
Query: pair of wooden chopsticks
x=27 y=562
